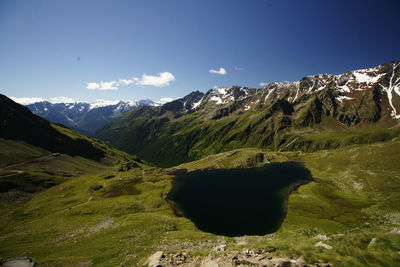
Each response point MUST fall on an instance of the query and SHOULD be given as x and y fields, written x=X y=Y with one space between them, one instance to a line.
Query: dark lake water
x=236 y=202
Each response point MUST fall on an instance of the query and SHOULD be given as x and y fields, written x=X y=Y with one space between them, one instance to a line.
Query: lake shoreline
x=291 y=189
x=277 y=174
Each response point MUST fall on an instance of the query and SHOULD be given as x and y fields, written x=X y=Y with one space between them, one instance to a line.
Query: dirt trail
x=18 y=172
x=64 y=209
x=13 y=174
x=47 y=157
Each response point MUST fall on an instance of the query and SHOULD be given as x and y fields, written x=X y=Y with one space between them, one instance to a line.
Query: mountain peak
x=83 y=116
x=279 y=116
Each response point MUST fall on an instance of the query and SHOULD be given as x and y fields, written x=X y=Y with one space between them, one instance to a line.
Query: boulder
x=209 y=263
x=323 y=245
x=154 y=259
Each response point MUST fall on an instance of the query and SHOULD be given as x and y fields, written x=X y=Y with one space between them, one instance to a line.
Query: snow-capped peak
x=103 y=103
x=221 y=90
x=72 y=103
x=27 y=100
x=221 y=95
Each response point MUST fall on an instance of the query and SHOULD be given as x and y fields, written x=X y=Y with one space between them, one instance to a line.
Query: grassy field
x=353 y=206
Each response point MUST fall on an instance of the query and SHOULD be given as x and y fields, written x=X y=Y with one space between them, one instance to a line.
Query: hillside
x=318 y=112
x=36 y=154
x=347 y=217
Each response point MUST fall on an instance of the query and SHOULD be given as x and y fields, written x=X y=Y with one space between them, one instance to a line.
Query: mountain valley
x=72 y=200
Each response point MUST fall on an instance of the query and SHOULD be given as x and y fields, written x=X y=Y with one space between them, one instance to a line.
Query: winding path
x=12 y=174
x=18 y=172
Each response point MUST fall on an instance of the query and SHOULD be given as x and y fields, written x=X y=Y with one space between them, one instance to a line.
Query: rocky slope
x=86 y=117
x=317 y=112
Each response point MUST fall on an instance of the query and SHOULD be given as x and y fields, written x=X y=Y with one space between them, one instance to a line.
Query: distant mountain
x=55 y=153
x=318 y=112
x=18 y=123
x=86 y=117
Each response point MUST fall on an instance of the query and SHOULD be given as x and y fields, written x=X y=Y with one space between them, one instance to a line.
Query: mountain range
x=86 y=117
x=71 y=200
x=317 y=112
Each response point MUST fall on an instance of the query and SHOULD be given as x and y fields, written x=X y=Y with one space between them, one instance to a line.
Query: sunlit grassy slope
x=34 y=168
x=166 y=143
x=355 y=202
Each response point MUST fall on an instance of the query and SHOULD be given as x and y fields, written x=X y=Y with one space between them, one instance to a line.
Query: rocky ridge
x=381 y=82
x=281 y=116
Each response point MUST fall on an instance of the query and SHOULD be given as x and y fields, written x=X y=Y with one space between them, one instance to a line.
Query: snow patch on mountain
x=220 y=95
x=365 y=78
x=103 y=103
x=221 y=90
x=197 y=104
x=217 y=99
x=344 y=88
x=394 y=85
x=341 y=98
x=269 y=92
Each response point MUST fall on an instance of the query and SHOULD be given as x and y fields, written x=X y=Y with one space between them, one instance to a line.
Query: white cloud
x=238 y=68
x=108 y=85
x=128 y=81
x=62 y=99
x=164 y=100
x=103 y=86
x=53 y=100
x=27 y=100
x=163 y=79
x=221 y=71
x=92 y=86
x=263 y=83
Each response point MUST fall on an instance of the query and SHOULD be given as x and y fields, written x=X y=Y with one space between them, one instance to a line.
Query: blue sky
x=166 y=48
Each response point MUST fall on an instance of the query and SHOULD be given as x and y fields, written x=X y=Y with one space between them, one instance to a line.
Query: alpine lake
x=237 y=202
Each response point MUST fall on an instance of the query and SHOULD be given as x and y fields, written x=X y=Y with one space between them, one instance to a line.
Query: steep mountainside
x=36 y=154
x=86 y=117
x=19 y=124
x=318 y=112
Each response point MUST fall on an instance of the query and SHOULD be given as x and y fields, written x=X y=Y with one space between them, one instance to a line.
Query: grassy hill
x=36 y=154
x=351 y=207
